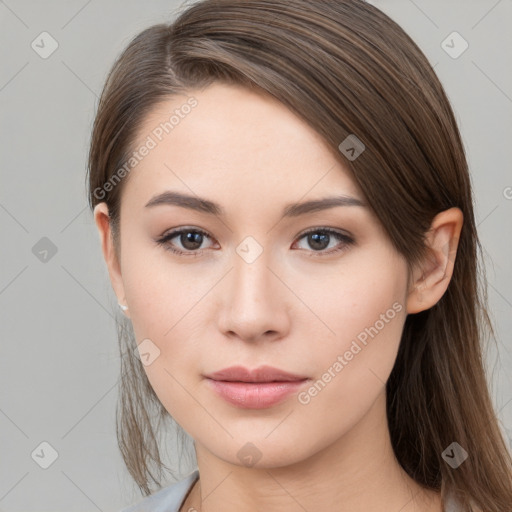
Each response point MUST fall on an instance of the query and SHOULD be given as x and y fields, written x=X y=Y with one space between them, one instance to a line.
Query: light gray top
x=170 y=499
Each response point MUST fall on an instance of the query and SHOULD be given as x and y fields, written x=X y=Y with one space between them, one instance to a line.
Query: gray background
x=59 y=362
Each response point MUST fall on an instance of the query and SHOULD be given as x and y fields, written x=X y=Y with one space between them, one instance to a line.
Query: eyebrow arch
x=290 y=210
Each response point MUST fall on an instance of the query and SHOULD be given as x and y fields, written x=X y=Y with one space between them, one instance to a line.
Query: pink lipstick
x=255 y=389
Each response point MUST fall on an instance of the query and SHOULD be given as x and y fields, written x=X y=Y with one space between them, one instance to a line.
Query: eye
x=320 y=239
x=189 y=238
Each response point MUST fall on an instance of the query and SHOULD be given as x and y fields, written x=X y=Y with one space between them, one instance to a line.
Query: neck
x=357 y=472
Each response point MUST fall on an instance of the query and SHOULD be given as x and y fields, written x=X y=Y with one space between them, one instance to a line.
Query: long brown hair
x=345 y=68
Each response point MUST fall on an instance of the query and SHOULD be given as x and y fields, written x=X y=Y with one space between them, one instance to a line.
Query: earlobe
x=102 y=220
x=432 y=276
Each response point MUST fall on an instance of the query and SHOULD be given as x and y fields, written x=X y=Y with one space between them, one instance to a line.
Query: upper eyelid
x=177 y=231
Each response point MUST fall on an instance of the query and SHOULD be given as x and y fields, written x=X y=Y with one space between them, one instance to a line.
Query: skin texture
x=295 y=307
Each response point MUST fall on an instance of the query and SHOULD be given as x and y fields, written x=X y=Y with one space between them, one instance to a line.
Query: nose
x=255 y=304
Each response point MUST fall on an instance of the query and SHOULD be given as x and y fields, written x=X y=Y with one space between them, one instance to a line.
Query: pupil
x=319 y=241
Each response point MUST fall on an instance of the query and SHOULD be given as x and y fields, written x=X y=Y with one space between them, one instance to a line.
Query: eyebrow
x=291 y=210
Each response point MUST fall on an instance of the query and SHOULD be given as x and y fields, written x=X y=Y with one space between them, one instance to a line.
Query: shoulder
x=168 y=499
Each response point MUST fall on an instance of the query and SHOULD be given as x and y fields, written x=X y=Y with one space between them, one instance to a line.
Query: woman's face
x=251 y=287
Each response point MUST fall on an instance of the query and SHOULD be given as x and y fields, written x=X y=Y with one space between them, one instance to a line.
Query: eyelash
x=163 y=241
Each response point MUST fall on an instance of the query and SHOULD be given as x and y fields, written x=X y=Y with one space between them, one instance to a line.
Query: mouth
x=260 y=388
x=261 y=374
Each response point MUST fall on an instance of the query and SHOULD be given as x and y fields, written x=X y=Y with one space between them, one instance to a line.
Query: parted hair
x=345 y=68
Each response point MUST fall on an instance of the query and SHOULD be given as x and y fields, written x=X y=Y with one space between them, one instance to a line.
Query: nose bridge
x=253 y=304
x=251 y=279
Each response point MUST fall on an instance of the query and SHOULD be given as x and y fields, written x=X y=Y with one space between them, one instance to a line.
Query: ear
x=430 y=278
x=102 y=220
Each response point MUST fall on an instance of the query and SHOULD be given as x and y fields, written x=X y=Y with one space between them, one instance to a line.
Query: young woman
x=285 y=211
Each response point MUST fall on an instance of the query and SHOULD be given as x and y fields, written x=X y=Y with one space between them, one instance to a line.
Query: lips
x=261 y=374
x=260 y=388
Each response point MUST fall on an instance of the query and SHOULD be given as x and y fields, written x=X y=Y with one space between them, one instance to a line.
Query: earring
x=124 y=308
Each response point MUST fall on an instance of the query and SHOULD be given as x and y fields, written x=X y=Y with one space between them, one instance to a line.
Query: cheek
x=157 y=291
x=365 y=309
x=168 y=378
x=363 y=301
x=351 y=371
x=167 y=314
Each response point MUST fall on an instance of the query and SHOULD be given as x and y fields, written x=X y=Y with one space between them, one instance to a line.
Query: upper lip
x=261 y=374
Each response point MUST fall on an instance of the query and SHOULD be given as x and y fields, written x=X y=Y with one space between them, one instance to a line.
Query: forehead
x=234 y=141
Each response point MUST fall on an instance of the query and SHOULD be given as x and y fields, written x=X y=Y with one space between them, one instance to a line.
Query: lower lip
x=255 y=395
